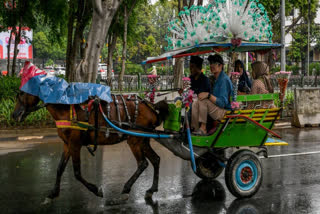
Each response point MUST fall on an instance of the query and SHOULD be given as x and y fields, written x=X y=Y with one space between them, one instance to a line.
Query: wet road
x=291 y=181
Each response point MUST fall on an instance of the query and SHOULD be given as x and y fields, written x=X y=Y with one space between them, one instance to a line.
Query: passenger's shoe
x=199 y=132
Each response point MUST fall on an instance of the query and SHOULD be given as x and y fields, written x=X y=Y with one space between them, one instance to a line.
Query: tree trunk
x=125 y=34
x=74 y=76
x=103 y=12
x=69 y=62
x=178 y=72
x=124 y=49
x=112 y=41
x=16 y=50
x=9 y=47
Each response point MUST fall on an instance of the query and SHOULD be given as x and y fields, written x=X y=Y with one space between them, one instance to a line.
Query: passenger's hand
x=203 y=95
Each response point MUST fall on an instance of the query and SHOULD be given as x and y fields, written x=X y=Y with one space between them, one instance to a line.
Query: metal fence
x=299 y=81
x=132 y=83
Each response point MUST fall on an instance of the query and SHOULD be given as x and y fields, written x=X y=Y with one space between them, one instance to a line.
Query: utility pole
x=283 y=36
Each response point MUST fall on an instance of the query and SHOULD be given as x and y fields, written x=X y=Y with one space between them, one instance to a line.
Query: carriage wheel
x=243 y=174
x=208 y=167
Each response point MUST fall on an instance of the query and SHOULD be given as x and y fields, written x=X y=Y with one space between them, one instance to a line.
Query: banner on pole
x=24 y=47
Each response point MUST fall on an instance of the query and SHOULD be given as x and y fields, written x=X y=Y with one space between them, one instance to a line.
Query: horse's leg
x=136 y=145
x=155 y=161
x=62 y=165
x=75 y=154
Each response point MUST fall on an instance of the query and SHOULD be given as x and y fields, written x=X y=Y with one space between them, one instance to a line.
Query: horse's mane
x=161 y=109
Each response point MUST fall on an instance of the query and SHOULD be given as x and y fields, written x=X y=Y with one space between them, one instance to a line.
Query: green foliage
x=9 y=87
x=49 y=62
x=38 y=118
x=44 y=48
x=293 y=68
x=133 y=69
x=273 y=8
x=288 y=100
x=316 y=67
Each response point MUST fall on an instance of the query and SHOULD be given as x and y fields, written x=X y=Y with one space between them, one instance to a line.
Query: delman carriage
x=89 y=115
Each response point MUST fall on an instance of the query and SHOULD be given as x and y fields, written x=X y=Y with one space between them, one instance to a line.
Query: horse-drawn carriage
x=95 y=117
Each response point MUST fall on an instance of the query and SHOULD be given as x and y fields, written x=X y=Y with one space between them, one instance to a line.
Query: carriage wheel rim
x=246 y=175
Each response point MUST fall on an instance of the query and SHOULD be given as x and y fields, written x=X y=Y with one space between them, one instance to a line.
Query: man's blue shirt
x=223 y=91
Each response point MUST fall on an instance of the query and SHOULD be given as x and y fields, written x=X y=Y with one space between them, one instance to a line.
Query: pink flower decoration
x=152 y=76
x=235 y=105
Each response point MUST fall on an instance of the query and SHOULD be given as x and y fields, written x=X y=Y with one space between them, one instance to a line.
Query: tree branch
x=294 y=23
x=132 y=6
x=97 y=6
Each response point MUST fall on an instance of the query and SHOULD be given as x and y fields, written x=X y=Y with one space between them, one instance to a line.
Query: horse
x=145 y=115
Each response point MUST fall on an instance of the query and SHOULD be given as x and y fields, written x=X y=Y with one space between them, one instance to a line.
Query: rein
x=36 y=108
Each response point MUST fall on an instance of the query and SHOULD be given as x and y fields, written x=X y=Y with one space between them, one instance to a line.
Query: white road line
x=294 y=154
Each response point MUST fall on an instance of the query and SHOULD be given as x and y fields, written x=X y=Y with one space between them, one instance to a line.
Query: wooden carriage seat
x=258 y=115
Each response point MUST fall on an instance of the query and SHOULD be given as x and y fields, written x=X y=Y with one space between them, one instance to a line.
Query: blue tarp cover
x=54 y=90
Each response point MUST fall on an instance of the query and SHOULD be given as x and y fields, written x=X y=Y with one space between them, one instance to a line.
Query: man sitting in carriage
x=216 y=102
x=199 y=82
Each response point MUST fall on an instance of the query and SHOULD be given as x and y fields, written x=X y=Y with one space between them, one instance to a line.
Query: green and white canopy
x=224 y=25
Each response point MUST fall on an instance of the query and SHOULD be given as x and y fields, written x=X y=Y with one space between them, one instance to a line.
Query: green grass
x=39 y=118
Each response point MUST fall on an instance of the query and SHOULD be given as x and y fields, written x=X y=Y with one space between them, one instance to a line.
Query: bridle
x=32 y=109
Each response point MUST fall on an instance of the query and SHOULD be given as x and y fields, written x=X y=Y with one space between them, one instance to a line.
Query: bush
x=316 y=67
x=9 y=87
x=38 y=118
x=134 y=69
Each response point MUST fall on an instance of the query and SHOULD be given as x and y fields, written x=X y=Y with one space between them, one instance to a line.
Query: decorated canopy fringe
x=221 y=21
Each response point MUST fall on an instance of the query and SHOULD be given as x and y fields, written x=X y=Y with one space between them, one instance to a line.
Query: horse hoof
x=121 y=200
x=46 y=201
x=100 y=192
x=148 y=195
x=124 y=197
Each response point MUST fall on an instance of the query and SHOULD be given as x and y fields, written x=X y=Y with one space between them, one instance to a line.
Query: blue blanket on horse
x=56 y=90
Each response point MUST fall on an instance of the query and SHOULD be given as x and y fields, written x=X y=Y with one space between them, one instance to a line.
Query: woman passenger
x=244 y=81
x=261 y=85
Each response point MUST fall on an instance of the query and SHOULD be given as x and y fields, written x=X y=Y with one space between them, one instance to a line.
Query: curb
x=27 y=138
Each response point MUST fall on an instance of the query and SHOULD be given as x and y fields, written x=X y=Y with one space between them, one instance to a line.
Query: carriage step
x=275 y=142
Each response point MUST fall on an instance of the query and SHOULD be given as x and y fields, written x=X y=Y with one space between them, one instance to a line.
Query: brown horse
x=75 y=139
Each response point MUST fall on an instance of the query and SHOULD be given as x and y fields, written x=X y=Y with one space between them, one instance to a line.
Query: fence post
x=139 y=82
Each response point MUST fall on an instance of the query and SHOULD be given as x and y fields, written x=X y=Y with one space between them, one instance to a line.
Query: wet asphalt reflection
x=291 y=184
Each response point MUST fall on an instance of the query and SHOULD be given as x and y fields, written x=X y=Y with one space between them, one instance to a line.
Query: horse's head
x=25 y=103
x=163 y=109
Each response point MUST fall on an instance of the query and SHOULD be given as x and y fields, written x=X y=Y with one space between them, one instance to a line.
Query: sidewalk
x=27 y=134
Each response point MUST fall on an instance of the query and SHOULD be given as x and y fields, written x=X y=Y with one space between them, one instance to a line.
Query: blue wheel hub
x=246 y=175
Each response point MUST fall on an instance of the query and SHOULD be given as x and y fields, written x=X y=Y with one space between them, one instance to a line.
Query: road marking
x=294 y=154
x=30 y=137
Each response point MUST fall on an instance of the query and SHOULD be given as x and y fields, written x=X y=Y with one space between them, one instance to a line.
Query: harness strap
x=136 y=110
x=126 y=108
x=37 y=107
x=117 y=107
x=108 y=110
x=74 y=112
